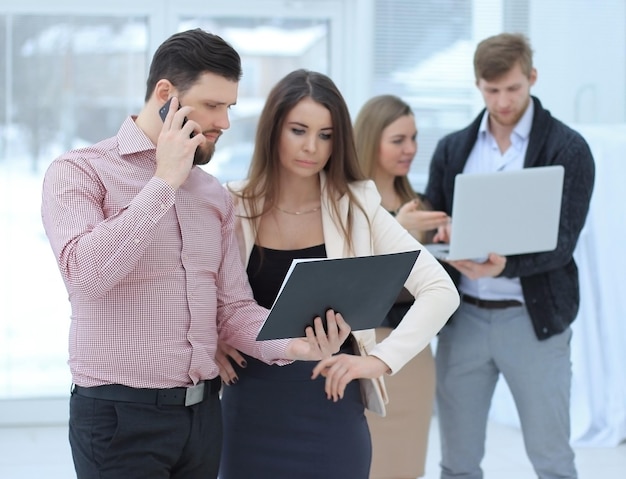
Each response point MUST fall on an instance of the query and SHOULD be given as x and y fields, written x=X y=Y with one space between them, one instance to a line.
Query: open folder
x=362 y=289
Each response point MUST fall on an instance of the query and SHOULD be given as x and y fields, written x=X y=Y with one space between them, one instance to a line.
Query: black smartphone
x=165 y=108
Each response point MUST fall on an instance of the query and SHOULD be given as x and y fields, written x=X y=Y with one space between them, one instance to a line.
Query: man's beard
x=203 y=156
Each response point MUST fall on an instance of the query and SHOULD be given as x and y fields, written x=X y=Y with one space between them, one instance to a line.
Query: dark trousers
x=111 y=439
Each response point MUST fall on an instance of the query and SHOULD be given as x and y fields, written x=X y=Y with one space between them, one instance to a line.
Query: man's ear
x=163 y=90
x=533 y=76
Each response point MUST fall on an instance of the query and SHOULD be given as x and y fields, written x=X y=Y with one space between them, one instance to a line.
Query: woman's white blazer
x=436 y=296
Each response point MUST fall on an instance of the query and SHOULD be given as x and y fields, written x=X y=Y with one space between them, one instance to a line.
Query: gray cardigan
x=550 y=279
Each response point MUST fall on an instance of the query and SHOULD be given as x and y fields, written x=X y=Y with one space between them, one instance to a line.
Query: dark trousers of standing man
x=125 y=439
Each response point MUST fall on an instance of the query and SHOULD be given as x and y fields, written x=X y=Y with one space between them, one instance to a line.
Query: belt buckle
x=194 y=394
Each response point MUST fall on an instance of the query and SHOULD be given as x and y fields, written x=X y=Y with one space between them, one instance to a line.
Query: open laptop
x=507 y=212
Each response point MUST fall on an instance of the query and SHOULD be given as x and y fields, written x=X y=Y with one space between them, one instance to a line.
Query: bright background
x=71 y=71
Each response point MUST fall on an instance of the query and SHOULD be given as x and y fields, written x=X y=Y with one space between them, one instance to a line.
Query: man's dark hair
x=184 y=56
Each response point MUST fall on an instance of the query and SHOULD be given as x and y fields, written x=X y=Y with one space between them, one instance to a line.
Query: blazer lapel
x=333 y=236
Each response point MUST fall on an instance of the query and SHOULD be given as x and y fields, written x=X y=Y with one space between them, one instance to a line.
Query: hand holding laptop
x=490 y=268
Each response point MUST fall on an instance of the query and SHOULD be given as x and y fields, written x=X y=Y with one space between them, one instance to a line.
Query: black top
x=274 y=264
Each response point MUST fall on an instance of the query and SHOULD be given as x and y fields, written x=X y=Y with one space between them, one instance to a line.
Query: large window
x=67 y=82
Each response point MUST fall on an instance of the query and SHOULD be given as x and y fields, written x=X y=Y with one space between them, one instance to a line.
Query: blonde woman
x=386 y=141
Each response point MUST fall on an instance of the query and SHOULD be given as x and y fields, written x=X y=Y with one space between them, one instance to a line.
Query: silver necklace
x=297 y=213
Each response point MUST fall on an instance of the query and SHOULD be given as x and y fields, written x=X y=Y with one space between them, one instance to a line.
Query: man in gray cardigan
x=516 y=311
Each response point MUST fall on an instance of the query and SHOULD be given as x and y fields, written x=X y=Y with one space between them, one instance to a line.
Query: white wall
x=573 y=40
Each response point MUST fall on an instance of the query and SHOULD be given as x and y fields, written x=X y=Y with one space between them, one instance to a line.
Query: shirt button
x=163 y=206
x=137 y=240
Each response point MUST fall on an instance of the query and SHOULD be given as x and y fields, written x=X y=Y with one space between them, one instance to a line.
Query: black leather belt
x=491 y=304
x=161 y=397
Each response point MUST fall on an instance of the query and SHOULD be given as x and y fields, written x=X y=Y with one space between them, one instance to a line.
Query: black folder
x=362 y=289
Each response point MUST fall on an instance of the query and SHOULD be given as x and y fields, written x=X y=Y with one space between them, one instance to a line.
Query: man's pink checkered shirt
x=152 y=273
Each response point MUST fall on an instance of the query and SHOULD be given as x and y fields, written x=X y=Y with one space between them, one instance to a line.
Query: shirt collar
x=132 y=139
x=521 y=130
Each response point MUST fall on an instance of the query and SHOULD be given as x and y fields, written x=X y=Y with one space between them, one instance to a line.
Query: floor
x=33 y=452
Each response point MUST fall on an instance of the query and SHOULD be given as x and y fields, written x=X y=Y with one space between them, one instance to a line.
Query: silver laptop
x=507 y=212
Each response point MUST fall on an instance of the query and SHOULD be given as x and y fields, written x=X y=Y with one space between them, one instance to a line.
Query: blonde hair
x=376 y=115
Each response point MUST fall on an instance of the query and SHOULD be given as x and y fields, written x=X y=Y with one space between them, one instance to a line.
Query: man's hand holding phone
x=176 y=144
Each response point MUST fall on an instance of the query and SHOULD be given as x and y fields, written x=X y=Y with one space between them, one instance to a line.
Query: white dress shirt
x=486 y=157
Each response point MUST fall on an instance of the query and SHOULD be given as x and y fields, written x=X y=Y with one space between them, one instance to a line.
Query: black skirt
x=278 y=422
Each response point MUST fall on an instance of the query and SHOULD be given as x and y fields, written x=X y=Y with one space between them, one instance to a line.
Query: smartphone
x=165 y=108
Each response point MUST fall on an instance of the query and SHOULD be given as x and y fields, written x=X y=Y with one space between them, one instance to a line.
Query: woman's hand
x=339 y=370
x=227 y=372
x=320 y=344
x=415 y=219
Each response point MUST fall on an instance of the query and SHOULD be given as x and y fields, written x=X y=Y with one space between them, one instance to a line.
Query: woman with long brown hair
x=306 y=197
